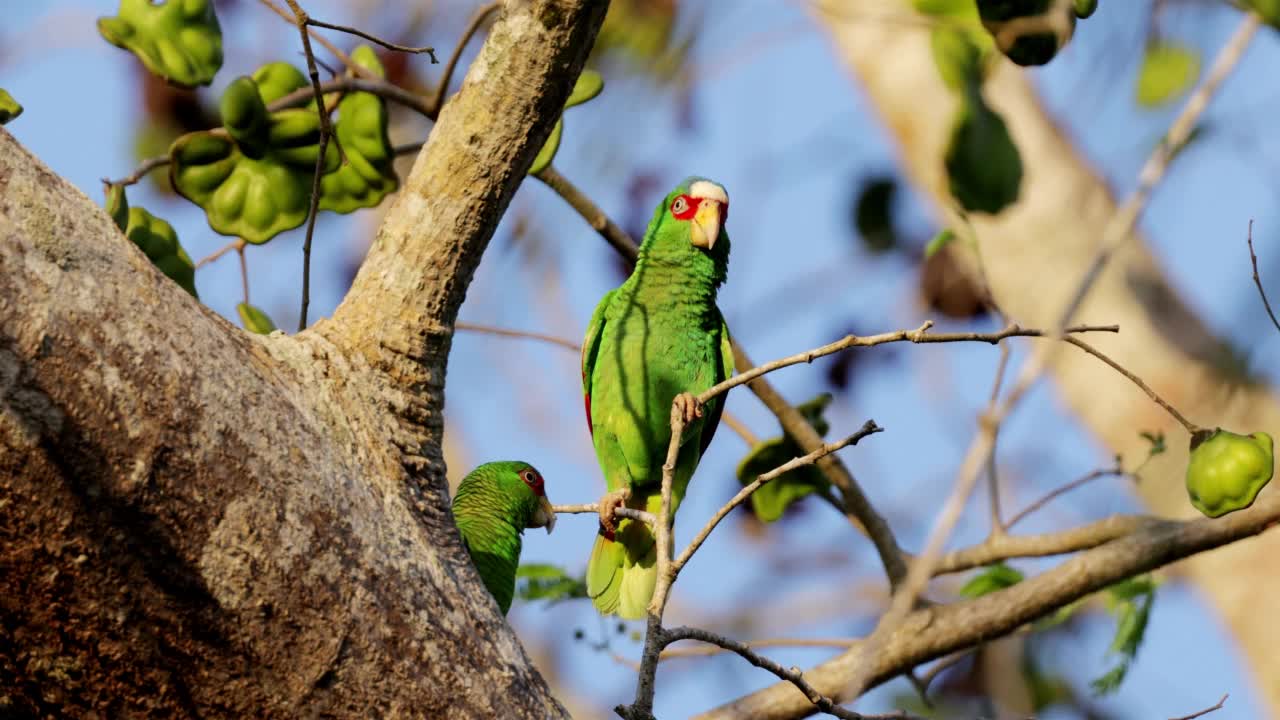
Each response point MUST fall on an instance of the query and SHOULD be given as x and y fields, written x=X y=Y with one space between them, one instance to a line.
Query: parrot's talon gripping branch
x=643 y=516
x=688 y=406
x=608 y=508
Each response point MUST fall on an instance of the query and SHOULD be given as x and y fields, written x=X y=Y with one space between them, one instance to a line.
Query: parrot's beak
x=544 y=516
x=706 y=224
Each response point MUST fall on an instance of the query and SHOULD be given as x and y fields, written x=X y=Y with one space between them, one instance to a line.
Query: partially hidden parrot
x=656 y=339
x=493 y=505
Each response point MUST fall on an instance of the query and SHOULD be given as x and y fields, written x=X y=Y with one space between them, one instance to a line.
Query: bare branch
x=1257 y=280
x=1064 y=489
x=371 y=38
x=868 y=428
x=477 y=19
x=647 y=518
x=1079 y=538
x=920 y=335
x=1212 y=708
x=237 y=244
x=791 y=675
x=589 y=211
x=326 y=131
x=503 y=332
x=1191 y=427
x=708 y=650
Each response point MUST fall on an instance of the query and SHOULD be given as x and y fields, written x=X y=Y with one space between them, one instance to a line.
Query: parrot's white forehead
x=707 y=190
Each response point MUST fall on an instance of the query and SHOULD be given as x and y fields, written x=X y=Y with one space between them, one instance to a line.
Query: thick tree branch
x=400 y=311
x=196 y=516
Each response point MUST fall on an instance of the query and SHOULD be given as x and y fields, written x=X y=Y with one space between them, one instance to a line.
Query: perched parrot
x=493 y=505
x=655 y=339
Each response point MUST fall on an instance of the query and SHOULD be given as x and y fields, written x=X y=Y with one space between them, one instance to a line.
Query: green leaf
x=254 y=179
x=984 y=169
x=939 y=241
x=873 y=214
x=369 y=174
x=771 y=500
x=589 y=84
x=118 y=206
x=1168 y=71
x=9 y=108
x=1130 y=601
x=178 y=40
x=158 y=241
x=254 y=320
x=536 y=581
x=995 y=577
x=549 y=149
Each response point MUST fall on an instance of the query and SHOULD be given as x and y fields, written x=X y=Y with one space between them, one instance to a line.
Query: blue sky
x=783 y=127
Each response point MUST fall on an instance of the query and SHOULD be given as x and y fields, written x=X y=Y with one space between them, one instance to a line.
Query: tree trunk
x=1035 y=252
x=200 y=522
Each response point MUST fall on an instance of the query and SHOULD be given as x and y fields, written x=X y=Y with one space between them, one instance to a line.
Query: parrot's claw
x=689 y=406
x=608 y=505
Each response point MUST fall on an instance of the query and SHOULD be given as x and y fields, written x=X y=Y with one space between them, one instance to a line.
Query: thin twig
x=1062 y=490
x=589 y=211
x=503 y=332
x=645 y=517
x=237 y=244
x=791 y=675
x=740 y=428
x=1191 y=427
x=146 y=167
x=1218 y=706
x=1257 y=280
x=371 y=38
x=993 y=479
x=1007 y=547
x=334 y=49
x=708 y=650
x=244 y=272
x=477 y=19
x=920 y=335
x=868 y=428
x=326 y=131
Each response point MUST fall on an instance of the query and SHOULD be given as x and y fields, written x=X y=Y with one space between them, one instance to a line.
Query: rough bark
x=1035 y=253
x=200 y=522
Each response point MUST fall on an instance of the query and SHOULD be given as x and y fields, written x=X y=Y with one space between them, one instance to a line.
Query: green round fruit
x=1227 y=471
x=1085 y=8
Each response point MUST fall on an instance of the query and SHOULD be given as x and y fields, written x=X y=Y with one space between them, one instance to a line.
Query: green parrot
x=656 y=339
x=493 y=505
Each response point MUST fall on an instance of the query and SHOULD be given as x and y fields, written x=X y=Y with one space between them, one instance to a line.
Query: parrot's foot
x=689 y=406
x=608 y=505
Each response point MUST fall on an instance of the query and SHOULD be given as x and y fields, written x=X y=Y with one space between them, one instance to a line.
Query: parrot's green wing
x=726 y=369
x=590 y=348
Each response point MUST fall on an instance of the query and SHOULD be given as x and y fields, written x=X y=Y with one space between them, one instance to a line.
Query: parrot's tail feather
x=622 y=572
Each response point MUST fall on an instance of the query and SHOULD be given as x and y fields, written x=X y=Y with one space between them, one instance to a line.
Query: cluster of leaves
x=538 y=581
x=589 y=84
x=1128 y=601
x=772 y=499
x=253 y=176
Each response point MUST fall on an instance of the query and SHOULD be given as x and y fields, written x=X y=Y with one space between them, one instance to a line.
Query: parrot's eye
x=531 y=478
x=680 y=207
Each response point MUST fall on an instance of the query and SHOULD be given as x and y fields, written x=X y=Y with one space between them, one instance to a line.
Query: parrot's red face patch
x=533 y=480
x=685 y=207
